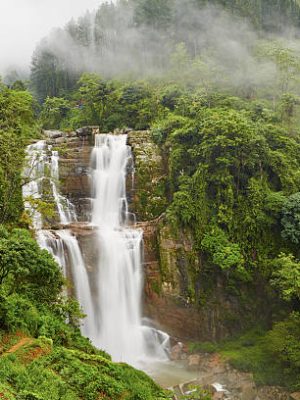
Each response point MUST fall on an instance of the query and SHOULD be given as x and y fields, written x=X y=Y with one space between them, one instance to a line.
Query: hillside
x=208 y=94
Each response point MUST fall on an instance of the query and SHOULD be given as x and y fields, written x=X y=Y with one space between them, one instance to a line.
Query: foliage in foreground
x=53 y=361
x=41 y=371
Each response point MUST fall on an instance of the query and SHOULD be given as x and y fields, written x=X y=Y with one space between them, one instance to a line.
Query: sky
x=24 y=22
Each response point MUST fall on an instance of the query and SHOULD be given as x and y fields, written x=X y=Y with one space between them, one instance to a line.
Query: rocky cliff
x=172 y=266
x=174 y=280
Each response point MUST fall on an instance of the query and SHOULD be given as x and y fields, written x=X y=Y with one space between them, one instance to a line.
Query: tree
x=50 y=74
x=287 y=62
x=54 y=110
x=11 y=161
x=223 y=253
x=286 y=276
x=93 y=96
x=17 y=125
x=283 y=342
x=290 y=220
x=180 y=61
x=156 y=14
x=26 y=269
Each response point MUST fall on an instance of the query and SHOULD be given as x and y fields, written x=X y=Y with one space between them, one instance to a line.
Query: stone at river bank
x=223 y=381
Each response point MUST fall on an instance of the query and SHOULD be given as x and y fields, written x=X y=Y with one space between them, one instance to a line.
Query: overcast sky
x=24 y=22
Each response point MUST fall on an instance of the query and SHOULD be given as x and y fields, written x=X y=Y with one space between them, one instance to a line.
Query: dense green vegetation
x=232 y=181
x=17 y=126
x=272 y=356
x=42 y=352
x=39 y=370
x=226 y=120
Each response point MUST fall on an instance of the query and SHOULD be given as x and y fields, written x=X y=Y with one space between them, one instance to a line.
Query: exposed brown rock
x=53 y=134
x=295 y=396
x=178 y=352
x=74 y=166
x=272 y=393
x=194 y=362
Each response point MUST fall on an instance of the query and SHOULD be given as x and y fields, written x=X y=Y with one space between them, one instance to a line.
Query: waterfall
x=62 y=244
x=111 y=293
x=65 y=208
x=120 y=278
x=39 y=157
x=34 y=174
x=80 y=280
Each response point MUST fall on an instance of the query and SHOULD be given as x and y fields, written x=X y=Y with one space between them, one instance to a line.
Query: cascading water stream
x=80 y=280
x=62 y=245
x=34 y=173
x=120 y=278
x=64 y=207
x=112 y=304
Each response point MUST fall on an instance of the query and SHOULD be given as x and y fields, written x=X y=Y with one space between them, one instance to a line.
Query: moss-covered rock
x=149 y=200
x=178 y=261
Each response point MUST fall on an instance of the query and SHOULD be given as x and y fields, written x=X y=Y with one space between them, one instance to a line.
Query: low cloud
x=24 y=22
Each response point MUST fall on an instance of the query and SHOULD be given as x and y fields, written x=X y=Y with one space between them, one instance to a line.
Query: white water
x=62 y=245
x=120 y=277
x=40 y=156
x=34 y=174
x=114 y=310
x=65 y=208
x=80 y=280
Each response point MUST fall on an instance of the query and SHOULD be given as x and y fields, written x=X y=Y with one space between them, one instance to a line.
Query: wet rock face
x=170 y=260
x=89 y=245
x=187 y=303
x=74 y=150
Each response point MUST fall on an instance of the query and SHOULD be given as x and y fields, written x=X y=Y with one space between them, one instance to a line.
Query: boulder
x=71 y=134
x=194 y=362
x=87 y=131
x=273 y=393
x=295 y=396
x=53 y=134
x=176 y=352
x=248 y=391
x=219 y=396
x=60 y=140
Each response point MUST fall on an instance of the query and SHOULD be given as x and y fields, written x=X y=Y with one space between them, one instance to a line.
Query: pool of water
x=170 y=373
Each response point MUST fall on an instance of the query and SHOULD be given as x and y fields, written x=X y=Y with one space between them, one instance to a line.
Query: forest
x=217 y=84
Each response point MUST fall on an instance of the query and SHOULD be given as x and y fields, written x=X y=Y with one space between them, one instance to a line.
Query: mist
x=112 y=42
x=23 y=23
